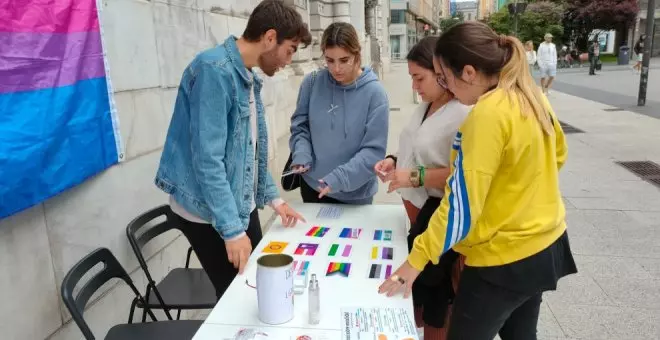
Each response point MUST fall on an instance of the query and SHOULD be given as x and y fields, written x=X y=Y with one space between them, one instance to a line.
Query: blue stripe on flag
x=53 y=139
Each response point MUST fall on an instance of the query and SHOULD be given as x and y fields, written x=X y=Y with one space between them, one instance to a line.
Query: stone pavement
x=613 y=219
x=615 y=85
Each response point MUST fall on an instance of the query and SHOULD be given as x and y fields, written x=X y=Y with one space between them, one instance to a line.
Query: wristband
x=414 y=178
x=422 y=172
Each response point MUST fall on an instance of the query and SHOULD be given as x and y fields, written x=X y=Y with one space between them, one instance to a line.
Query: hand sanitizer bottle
x=314 y=301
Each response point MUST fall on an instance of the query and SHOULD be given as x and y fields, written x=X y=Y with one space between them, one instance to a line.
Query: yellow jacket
x=502 y=201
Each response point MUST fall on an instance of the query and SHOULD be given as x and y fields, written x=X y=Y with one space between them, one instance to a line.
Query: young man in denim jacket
x=214 y=162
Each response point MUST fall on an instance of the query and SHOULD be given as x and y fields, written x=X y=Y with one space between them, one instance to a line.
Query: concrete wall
x=148 y=45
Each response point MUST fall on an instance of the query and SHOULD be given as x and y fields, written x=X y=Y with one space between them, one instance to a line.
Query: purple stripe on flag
x=32 y=61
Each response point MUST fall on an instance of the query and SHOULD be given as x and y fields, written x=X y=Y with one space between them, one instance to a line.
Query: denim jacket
x=208 y=160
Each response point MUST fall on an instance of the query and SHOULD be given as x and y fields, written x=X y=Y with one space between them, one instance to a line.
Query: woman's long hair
x=476 y=44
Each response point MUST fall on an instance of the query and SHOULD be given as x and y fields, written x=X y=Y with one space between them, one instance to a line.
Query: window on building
x=395 y=43
x=469 y=16
x=398 y=16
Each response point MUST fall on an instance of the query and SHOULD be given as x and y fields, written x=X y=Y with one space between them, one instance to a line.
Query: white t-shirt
x=429 y=144
x=531 y=57
x=547 y=54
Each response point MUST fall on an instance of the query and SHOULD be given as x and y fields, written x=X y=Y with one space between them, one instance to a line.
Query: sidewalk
x=610 y=66
x=616 y=86
x=613 y=219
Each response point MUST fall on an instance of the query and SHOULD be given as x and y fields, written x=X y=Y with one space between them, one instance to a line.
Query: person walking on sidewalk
x=547 y=60
x=639 y=52
x=419 y=171
x=339 y=128
x=531 y=56
x=594 y=57
x=503 y=208
x=214 y=162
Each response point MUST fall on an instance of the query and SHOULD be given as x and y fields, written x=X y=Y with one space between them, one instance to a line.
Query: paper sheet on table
x=330 y=212
x=377 y=324
x=280 y=334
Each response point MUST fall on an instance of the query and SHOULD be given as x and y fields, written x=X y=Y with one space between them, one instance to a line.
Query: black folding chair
x=182 y=288
x=76 y=302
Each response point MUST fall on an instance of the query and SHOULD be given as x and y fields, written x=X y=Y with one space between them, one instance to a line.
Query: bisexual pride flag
x=58 y=126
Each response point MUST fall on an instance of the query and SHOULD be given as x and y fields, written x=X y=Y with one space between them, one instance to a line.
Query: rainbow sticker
x=353 y=233
x=306 y=249
x=337 y=268
x=382 y=235
x=300 y=268
x=386 y=253
x=275 y=247
x=317 y=231
x=380 y=271
x=334 y=250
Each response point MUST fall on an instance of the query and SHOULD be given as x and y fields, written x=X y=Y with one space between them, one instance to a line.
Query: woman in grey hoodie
x=339 y=128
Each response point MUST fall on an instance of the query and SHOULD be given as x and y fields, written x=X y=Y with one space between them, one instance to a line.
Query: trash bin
x=624 y=55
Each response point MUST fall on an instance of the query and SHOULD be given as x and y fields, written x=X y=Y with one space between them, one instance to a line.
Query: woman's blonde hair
x=476 y=44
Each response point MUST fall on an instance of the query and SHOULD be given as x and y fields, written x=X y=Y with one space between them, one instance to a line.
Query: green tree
x=538 y=19
x=582 y=17
x=447 y=23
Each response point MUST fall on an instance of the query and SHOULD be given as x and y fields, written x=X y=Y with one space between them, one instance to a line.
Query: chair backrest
x=76 y=303
x=140 y=232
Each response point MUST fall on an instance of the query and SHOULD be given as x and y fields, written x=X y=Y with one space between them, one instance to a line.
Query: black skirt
x=432 y=290
x=535 y=274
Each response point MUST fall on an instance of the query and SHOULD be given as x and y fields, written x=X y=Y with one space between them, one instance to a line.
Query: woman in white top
x=531 y=55
x=419 y=171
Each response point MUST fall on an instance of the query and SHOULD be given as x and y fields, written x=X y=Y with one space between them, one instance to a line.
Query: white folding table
x=237 y=308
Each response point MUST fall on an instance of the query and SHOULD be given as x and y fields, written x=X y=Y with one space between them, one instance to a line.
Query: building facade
x=446 y=9
x=411 y=20
x=486 y=8
x=437 y=11
x=640 y=26
x=470 y=10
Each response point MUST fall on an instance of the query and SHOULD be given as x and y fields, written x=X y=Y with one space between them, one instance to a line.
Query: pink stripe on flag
x=49 y=16
x=347 y=250
x=31 y=61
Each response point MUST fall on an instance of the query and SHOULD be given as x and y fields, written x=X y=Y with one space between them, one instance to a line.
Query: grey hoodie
x=340 y=131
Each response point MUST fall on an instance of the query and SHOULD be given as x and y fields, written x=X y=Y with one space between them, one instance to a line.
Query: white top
x=429 y=144
x=531 y=57
x=547 y=54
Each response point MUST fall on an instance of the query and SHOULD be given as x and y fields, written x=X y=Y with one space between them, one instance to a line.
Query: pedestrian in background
x=339 y=128
x=503 y=209
x=594 y=57
x=547 y=60
x=639 y=52
x=531 y=55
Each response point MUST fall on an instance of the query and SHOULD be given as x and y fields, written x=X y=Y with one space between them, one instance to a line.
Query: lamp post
x=646 y=60
x=515 y=9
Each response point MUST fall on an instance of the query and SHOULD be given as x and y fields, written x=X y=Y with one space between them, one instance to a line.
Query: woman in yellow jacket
x=503 y=209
